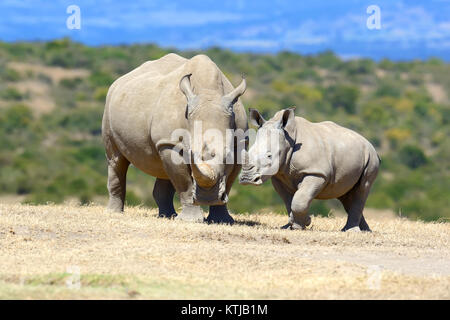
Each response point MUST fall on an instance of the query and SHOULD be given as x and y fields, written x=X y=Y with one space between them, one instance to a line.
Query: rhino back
x=151 y=69
x=154 y=67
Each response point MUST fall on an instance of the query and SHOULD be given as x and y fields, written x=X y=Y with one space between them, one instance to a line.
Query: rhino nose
x=250 y=175
x=254 y=180
x=257 y=180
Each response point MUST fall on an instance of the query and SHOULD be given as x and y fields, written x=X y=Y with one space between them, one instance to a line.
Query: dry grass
x=136 y=255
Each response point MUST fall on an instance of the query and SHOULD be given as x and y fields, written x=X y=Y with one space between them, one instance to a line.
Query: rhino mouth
x=216 y=195
x=250 y=177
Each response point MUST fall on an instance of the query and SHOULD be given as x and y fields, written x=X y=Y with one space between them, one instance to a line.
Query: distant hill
x=52 y=96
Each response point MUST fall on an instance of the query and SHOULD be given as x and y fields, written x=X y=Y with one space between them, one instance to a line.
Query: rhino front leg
x=180 y=177
x=190 y=213
x=307 y=190
x=220 y=214
x=285 y=195
x=355 y=200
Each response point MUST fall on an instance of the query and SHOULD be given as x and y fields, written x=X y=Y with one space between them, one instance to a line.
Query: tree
x=412 y=156
x=343 y=96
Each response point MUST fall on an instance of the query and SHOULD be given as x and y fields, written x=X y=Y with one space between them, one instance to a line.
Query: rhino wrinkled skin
x=316 y=161
x=142 y=110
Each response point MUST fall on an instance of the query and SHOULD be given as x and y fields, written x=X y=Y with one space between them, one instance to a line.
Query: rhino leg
x=307 y=190
x=219 y=214
x=117 y=176
x=163 y=193
x=355 y=200
x=180 y=178
x=191 y=213
x=285 y=195
x=363 y=226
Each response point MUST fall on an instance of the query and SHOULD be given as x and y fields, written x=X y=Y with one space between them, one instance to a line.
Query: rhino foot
x=293 y=226
x=297 y=223
x=219 y=214
x=225 y=220
x=354 y=229
x=112 y=208
x=167 y=215
x=191 y=213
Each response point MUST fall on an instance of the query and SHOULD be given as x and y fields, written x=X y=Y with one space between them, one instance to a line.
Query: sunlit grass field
x=79 y=252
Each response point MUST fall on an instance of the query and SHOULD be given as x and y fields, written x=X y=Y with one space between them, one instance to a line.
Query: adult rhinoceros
x=312 y=160
x=143 y=109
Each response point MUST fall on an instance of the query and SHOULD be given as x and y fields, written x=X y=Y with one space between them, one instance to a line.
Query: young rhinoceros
x=309 y=161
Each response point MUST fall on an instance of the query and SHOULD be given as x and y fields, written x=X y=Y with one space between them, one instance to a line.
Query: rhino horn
x=204 y=175
x=246 y=165
x=245 y=158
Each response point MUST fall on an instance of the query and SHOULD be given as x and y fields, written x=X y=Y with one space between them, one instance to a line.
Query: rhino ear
x=287 y=120
x=186 y=88
x=256 y=118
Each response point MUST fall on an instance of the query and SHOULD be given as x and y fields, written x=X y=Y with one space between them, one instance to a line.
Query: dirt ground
x=71 y=252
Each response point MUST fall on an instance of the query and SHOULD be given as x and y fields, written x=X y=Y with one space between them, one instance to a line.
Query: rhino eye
x=269 y=156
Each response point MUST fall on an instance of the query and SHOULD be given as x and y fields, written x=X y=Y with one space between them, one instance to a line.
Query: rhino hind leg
x=163 y=193
x=117 y=176
x=219 y=214
x=355 y=200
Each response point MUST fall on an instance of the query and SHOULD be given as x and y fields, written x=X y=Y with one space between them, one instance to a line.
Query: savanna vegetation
x=52 y=96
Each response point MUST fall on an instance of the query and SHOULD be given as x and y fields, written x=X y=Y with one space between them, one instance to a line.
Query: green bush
x=412 y=156
x=11 y=75
x=16 y=117
x=359 y=67
x=343 y=96
x=101 y=79
x=11 y=93
x=70 y=83
x=100 y=94
x=389 y=89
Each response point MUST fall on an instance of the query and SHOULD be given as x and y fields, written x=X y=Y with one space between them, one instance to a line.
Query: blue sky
x=409 y=29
